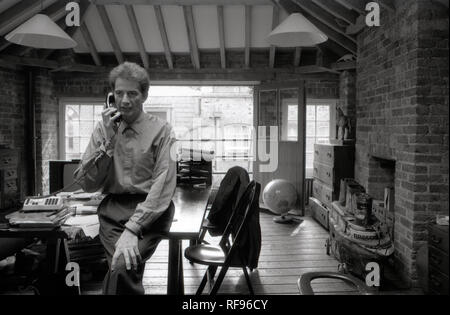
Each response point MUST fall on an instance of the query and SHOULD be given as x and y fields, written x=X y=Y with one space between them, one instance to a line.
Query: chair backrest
x=237 y=226
x=230 y=190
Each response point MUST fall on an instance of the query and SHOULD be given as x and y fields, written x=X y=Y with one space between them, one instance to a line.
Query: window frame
x=149 y=108
x=63 y=102
x=332 y=103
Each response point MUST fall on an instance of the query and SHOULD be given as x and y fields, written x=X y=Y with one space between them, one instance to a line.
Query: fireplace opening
x=382 y=177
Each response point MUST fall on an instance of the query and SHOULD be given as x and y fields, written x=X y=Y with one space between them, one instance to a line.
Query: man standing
x=128 y=158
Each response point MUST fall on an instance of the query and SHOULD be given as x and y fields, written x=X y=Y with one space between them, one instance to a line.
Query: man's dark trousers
x=113 y=213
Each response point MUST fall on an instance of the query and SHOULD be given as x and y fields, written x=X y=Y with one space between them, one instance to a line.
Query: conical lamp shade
x=296 y=31
x=41 y=32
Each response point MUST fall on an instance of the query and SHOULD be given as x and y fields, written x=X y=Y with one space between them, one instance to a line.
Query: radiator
x=308 y=189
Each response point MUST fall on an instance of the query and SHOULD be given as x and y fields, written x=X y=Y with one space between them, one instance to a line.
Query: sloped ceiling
x=190 y=27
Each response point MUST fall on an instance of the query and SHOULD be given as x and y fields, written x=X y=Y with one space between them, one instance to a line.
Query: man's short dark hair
x=130 y=71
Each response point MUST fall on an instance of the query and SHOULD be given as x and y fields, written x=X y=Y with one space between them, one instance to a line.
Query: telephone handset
x=110 y=103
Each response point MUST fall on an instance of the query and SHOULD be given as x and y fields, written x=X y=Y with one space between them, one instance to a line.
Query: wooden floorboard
x=288 y=251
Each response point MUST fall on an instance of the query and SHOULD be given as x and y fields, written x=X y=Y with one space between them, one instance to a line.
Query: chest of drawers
x=331 y=164
x=438 y=259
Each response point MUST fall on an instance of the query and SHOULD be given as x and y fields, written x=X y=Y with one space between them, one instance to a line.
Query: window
x=78 y=121
x=162 y=111
x=237 y=141
x=320 y=119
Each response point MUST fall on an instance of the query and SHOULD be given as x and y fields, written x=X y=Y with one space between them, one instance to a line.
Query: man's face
x=129 y=99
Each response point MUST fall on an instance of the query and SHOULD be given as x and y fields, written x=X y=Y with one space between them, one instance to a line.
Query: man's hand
x=127 y=245
x=109 y=116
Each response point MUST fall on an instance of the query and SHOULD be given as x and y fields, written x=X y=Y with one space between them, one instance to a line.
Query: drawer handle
x=328 y=174
x=435 y=239
x=329 y=155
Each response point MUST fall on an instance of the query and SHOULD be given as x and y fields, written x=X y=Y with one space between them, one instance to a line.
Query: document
x=88 y=223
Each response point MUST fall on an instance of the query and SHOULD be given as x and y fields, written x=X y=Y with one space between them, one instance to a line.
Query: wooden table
x=57 y=255
x=190 y=206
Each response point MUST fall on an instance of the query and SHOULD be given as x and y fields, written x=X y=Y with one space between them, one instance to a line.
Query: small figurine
x=343 y=125
x=345 y=58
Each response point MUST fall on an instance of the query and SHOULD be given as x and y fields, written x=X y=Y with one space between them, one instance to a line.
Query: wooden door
x=280 y=104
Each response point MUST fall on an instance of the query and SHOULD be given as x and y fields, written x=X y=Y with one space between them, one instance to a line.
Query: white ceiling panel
x=148 y=25
x=234 y=17
x=176 y=28
x=206 y=26
x=122 y=28
x=97 y=30
x=261 y=25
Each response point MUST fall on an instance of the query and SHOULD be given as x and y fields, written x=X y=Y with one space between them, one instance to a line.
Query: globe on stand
x=280 y=196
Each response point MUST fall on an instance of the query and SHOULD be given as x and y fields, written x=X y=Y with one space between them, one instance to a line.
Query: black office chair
x=304 y=282
x=227 y=253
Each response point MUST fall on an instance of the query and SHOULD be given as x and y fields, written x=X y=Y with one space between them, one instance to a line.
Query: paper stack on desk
x=81 y=209
x=88 y=223
x=39 y=218
x=88 y=199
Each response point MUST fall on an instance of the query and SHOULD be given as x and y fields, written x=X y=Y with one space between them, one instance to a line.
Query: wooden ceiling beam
x=323 y=16
x=183 y=2
x=19 y=13
x=50 y=64
x=334 y=47
x=304 y=72
x=164 y=38
x=221 y=24
x=90 y=43
x=55 y=12
x=340 y=39
x=248 y=34
x=275 y=22
x=356 y=5
x=290 y=7
x=84 y=6
x=192 y=36
x=110 y=32
x=337 y=10
x=138 y=36
x=354 y=29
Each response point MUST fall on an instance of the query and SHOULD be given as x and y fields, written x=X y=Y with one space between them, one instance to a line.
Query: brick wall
x=47 y=124
x=81 y=84
x=402 y=115
x=12 y=105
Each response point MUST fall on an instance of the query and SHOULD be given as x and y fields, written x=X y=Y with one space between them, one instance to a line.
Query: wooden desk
x=57 y=256
x=190 y=206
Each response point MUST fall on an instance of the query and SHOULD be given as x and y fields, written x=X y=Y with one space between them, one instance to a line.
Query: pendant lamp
x=296 y=31
x=41 y=32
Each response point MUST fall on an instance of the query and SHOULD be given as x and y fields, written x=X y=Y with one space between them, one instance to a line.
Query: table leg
x=175 y=283
x=53 y=282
